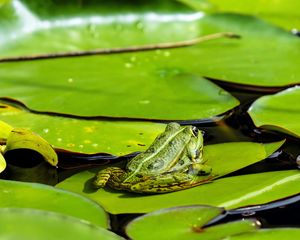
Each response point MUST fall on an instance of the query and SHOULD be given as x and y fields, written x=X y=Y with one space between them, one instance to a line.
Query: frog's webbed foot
x=104 y=176
x=199 y=169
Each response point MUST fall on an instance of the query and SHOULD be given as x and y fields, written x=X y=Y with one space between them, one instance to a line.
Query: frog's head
x=195 y=142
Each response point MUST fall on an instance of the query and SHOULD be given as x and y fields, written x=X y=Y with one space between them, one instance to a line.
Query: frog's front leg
x=107 y=175
x=169 y=182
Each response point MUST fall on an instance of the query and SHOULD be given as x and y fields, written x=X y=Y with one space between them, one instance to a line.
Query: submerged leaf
x=236 y=188
x=278 y=112
x=24 y=139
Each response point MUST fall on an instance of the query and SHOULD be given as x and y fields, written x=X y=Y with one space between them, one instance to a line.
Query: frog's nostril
x=195 y=131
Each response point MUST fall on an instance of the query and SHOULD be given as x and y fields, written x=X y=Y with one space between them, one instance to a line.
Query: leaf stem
x=104 y=51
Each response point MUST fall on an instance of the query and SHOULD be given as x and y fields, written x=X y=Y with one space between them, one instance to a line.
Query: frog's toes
x=101 y=179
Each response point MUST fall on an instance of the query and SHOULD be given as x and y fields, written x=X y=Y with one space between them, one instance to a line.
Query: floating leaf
x=85 y=136
x=278 y=112
x=61 y=27
x=5 y=129
x=35 y=224
x=281 y=12
x=24 y=139
x=38 y=196
x=266 y=234
x=240 y=191
x=185 y=223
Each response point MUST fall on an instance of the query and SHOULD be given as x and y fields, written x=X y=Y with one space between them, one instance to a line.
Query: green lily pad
x=36 y=224
x=266 y=234
x=283 y=13
x=85 y=136
x=61 y=27
x=278 y=112
x=38 y=196
x=238 y=156
x=185 y=223
x=5 y=129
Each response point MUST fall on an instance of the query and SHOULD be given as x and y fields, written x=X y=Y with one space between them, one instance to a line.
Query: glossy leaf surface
x=185 y=223
x=36 y=224
x=85 y=136
x=38 y=196
x=283 y=13
x=266 y=234
x=278 y=112
x=240 y=191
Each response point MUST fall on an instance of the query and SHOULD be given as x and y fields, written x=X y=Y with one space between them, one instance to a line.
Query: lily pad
x=185 y=223
x=240 y=191
x=283 y=13
x=5 y=129
x=36 y=224
x=266 y=234
x=38 y=196
x=278 y=112
x=85 y=136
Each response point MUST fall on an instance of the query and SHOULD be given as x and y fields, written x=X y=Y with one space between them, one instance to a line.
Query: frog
x=173 y=162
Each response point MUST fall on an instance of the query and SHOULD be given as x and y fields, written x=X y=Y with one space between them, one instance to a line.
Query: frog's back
x=161 y=155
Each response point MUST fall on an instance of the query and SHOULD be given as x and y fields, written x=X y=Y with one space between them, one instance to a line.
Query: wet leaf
x=38 y=196
x=36 y=224
x=24 y=139
x=240 y=191
x=278 y=111
x=283 y=13
x=185 y=223
x=85 y=136
x=266 y=234
x=5 y=129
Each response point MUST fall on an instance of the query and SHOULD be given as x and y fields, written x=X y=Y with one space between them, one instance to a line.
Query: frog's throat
x=152 y=155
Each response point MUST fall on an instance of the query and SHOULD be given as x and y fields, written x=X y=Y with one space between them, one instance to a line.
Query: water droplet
x=128 y=65
x=298 y=160
x=222 y=92
x=144 y=102
x=45 y=130
x=95 y=144
x=59 y=139
x=80 y=146
x=70 y=80
x=140 y=25
x=167 y=54
x=133 y=58
x=248 y=213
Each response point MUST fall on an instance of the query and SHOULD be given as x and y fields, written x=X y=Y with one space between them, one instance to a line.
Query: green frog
x=173 y=162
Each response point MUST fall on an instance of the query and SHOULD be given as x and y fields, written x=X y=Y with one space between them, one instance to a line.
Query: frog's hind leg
x=105 y=175
x=169 y=183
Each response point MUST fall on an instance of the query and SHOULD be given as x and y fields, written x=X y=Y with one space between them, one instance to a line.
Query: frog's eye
x=195 y=131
